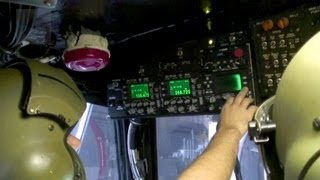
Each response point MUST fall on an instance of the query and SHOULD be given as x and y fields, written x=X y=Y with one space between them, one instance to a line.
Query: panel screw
x=51 y=127
x=316 y=124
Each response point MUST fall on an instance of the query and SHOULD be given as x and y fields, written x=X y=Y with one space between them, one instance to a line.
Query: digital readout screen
x=179 y=87
x=139 y=91
x=227 y=83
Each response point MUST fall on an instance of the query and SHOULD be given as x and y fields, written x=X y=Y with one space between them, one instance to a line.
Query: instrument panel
x=196 y=77
x=186 y=83
x=277 y=39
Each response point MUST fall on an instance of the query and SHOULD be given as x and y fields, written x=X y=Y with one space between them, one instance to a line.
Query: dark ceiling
x=124 y=20
x=136 y=28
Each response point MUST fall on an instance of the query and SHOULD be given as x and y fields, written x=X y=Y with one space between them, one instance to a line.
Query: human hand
x=237 y=112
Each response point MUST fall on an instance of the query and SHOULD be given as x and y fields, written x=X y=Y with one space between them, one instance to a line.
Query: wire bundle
x=20 y=23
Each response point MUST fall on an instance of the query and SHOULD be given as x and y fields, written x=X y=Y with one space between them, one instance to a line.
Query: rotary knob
x=192 y=108
x=173 y=102
x=226 y=96
x=212 y=99
x=181 y=109
x=285 y=62
x=171 y=109
x=270 y=82
x=150 y=110
x=127 y=105
x=153 y=103
x=140 y=111
x=267 y=25
x=180 y=101
x=132 y=111
x=278 y=80
x=232 y=38
x=211 y=108
x=283 y=22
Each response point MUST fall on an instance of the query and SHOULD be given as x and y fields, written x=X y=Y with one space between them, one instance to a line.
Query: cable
x=152 y=31
x=131 y=131
x=28 y=24
x=18 y=12
x=309 y=163
x=5 y=58
x=24 y=22
x=140 y=34
x=22 y=25
x=131 y=134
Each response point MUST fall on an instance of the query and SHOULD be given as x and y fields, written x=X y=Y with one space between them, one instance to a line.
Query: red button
x=86 y=59
x=238 y=53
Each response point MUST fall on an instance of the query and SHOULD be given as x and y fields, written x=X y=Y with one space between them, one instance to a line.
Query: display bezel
x=187 y=91
x=134 y=95
x=235 y=86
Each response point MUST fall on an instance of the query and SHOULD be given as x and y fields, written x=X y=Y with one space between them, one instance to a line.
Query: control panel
x=181 y=94
x=218 y=87
x=226 y=59
x=277 y=39
x=226 y=69
x=139 y=96
x=195 y=77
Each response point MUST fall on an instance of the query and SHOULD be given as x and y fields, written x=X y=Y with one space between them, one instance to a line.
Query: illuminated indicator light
x=139 y=91
x=210 y=41
x=228 y=83
x=179 y=87
x=206 y=6
x=207 y=10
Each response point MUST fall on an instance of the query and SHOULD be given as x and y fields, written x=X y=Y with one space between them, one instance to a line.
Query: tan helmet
x=295 y=112
x=39 y=107
x=287 y=126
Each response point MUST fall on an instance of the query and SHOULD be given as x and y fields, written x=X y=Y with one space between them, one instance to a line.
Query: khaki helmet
x=40 y=106
x=295 y=112
x=287 y=126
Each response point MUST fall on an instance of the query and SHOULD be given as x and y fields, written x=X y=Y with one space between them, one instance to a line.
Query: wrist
x=231 y=130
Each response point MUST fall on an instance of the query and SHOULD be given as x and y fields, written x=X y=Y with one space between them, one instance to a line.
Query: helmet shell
x=37 y=113
x=296 y=106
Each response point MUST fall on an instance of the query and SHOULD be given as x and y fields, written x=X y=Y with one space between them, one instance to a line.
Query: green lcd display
x=227 y=83
x=139 y=91
x=179 y=87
